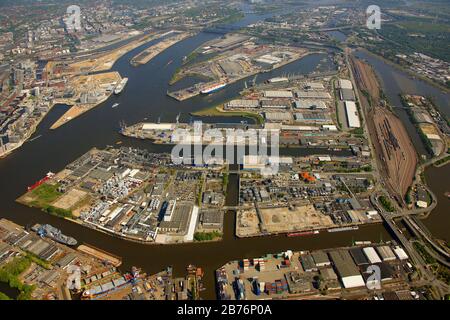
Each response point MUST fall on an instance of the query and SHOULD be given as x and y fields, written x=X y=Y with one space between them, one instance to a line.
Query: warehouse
x=242 y=104
x=352 y=115
x=386 y=253
x=277 y=116
x=158 y=126
x=309 y=104
x=345 y=84
x=400 y=253
x=313 y=85
x=311 y=117
x=276 y=104
x=371 y=255
x=358 y=256
x=321 y=259
x=299 y=128
x=347 y=94
x=307 y=262
x=312 y=94
x=278 y=94
x=268 y=59
x=346 y=269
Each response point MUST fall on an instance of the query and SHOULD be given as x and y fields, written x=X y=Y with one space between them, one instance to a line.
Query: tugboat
x=53 y=233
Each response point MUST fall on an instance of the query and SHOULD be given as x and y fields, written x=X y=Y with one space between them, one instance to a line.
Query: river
x=145 y=97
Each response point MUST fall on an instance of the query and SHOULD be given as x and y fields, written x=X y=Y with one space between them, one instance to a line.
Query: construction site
x=151 y=52
x=86 y=92
x=394 y=149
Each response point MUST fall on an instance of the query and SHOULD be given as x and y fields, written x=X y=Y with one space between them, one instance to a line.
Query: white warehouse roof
x=371 y=255
x=353 y=281
x=157 y=126
x=352 y=114
x=400 y=253
x=345 y=84
x=278 y=94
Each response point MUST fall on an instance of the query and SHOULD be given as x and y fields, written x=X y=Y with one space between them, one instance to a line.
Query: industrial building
x=386 y=253
x=358 y=256
x=346 y=269
x=309 y=104
x=400 y=253
x=345 y=84
x=242 y=104
x=321 y=259
x=371 y=255
x=311 y=116
x=351 y=113
x=301 y=94
x=278 y=94
x=276 y=104
x=347 y=94
x=277 y=116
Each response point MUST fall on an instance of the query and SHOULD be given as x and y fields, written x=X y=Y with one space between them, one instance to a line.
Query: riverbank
x=406 y=70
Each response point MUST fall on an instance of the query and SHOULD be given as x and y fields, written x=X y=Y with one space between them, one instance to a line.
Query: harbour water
x=145 y=97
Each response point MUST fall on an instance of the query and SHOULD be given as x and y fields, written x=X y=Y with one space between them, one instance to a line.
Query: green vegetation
x=225 y=179
x=442 y=161
x=215 y=112
x=408 y=196
x=62 y=213
x=387 y=205
x=10 y=272
x=4 y=296
x=200 y=191
x=424 y=253
x=207 y=236
x=40 y=262
x=358 y=131
x=421 y=36
x=45 y=194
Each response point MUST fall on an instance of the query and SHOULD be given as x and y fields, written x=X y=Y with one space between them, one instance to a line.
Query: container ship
x=53 y=233
x=213 y=88
x=119 y=88
x=301 y=234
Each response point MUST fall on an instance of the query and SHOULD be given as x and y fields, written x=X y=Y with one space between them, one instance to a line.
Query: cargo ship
x=53 y=233
x=213 y=88
x=37 y=184
x=301 y=234
x=343 y=229
x=119 y=88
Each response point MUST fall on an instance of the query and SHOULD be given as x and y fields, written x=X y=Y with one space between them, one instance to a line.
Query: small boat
x=115 y=105
x=169 y=62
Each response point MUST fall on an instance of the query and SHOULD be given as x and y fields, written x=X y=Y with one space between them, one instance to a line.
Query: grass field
x=216 y=111
x=45 y=194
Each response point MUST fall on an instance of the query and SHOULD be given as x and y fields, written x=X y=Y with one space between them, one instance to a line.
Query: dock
x=116 y=261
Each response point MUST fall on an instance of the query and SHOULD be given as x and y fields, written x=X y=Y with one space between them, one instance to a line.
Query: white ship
x=121 y=86
x=213 y=88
